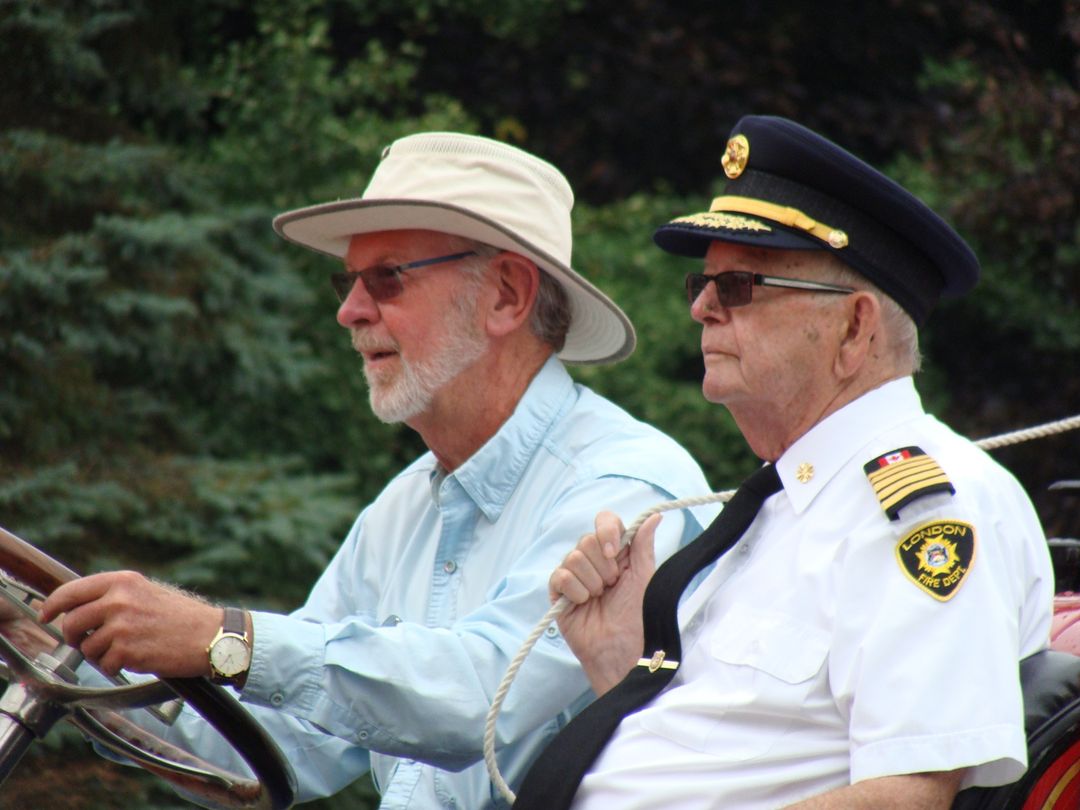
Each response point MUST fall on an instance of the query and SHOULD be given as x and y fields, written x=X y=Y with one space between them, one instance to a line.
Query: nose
x=358 y=307
x=706 y=307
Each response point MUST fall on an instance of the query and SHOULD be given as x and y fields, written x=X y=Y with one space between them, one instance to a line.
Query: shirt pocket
x=758 y=672
x=776 y=644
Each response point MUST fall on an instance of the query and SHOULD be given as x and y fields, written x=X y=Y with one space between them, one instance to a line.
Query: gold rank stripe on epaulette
x=902 y=476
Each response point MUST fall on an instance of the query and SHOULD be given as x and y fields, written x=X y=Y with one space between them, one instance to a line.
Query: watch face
x=230 y=656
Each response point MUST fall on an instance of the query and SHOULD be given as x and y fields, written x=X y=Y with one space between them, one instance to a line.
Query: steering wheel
x=44 y=690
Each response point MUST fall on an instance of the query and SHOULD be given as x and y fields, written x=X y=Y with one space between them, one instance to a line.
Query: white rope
x=1036 y=432
x=560 y=605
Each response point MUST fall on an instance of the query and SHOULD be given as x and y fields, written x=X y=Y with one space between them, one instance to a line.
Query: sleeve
x=423 y=692
x=929 y=634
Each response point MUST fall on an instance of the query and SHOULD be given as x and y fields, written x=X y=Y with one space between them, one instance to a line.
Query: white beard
x=409 y=392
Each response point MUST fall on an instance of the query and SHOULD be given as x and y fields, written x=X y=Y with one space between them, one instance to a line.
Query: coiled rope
x=989 y=443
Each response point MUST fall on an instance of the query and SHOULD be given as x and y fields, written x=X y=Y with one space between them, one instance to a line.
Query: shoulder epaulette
x=902 y=476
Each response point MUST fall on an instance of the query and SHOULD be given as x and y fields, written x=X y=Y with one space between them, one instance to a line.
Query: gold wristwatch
x=230 y=650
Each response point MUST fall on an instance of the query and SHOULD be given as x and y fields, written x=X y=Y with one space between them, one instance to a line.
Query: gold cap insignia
x=736 y=156
x=730 y=222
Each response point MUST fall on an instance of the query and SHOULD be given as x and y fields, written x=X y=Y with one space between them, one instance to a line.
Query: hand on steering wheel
x=42 y=690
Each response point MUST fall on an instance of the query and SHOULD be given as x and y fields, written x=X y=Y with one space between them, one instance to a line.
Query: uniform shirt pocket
x=750 y=681
x=771 y=642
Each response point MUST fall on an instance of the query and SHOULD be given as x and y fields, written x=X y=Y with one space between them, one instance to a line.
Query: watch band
x=234 y=622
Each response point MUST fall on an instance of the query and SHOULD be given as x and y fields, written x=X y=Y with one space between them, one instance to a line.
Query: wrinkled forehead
x=724 y=256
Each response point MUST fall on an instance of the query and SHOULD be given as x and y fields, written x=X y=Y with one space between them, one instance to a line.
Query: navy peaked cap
x=790 y=188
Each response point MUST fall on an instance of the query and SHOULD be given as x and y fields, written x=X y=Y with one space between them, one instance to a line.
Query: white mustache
x=366 y=342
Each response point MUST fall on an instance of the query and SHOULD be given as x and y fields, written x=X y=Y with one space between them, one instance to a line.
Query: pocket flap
x=772 y=642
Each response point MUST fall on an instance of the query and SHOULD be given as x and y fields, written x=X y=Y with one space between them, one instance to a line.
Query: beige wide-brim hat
x=483 y=190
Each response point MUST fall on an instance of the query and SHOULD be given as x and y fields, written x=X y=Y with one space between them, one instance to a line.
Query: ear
x=861 y=340
x=516 y=282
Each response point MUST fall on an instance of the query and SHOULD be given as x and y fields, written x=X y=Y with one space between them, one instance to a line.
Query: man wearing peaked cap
x=789 y=188
x=455 y=284
x=858 y=645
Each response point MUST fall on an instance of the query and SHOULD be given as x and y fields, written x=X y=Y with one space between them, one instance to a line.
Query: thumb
x=642 y=549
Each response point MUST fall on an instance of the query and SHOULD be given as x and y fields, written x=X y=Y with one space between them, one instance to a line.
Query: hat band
x=790 y=217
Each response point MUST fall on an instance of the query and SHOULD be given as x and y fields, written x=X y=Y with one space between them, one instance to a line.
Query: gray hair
x=550 y=316
x=902 y=331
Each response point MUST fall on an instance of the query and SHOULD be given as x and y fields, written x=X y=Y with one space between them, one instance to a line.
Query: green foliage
x=259 y=522
x=52 y=186
x=1005 y=170
x=293 y=120
x=1008 y=178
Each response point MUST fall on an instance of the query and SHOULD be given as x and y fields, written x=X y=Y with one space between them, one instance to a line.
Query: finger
x=642 y=549
x=595 y=554
x=72 y=594
x=564 y=583
x=586 y=569
x=594 y=560
x=81 y=621
x=95 y=646
x=106 y=661
x=609 y=531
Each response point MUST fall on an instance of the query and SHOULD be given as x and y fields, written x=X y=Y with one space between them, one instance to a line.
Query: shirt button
x=449 y=566
x=744 y=549
x=552 y=631
x=277 y=699
x=363 y=735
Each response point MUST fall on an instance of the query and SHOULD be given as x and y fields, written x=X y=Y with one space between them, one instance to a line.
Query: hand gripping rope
x=560 y=605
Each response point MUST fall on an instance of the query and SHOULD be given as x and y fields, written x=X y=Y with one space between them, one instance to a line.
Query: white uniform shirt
x=813 y=660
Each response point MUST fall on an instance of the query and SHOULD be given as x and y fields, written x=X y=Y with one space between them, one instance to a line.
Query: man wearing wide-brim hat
x=454 y=278
x=879 y=578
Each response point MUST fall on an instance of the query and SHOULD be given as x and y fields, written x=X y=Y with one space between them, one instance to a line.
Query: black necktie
x=554 y=778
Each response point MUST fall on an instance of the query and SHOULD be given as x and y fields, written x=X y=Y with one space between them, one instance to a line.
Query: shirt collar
x=492 y=473
x=819 y=454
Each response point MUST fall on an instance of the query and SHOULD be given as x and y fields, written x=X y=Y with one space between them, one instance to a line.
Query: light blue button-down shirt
x=392 y=663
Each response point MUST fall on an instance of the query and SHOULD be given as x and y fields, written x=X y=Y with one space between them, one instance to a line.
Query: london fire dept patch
x=937 y=556
x=904 y=475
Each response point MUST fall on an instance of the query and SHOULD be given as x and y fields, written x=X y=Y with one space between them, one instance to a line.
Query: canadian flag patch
x=894 y=457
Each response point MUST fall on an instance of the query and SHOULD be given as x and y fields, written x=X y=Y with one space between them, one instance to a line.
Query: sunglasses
x=736 y=289
x=383 y=282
